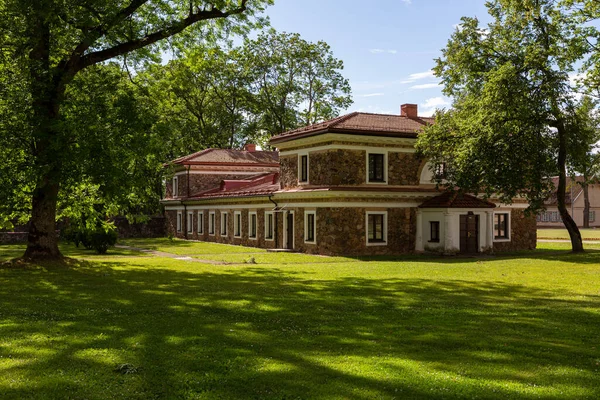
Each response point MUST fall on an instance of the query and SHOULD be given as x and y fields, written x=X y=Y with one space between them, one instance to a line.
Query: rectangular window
x=237 y=224
x=434 y=227
x=440 y=171
x=179 y=221
x=252 y=225
x=223 y=223
x=190 y=222
x=592 y=216
x=200 y=222
x=269 y=227
x=175 y=186
x=501 y=226
x=211 y=223
x=304 y=168
x=310 y=231
x=376 y=228
x=376 y=167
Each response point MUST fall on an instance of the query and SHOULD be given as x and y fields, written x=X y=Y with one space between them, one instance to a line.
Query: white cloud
x=371 y=95
x=418 y=76
x=430 y=105
x=425 y=86
x=380 y=51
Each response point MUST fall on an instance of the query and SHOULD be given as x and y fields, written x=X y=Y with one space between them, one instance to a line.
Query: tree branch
x=127 y=47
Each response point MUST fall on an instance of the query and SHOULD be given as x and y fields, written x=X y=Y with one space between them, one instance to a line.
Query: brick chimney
x=250 y=147
x=409 y=110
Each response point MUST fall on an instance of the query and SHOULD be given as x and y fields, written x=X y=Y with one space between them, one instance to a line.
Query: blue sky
x=388 y=46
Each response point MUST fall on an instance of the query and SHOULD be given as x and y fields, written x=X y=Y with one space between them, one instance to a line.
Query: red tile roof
x=361 y=123
x=229 y=156
x=456 y=200
x=260 y=185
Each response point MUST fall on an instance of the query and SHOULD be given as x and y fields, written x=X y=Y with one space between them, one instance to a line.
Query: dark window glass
x=304 y=168
x=310 y=228
x=435 y=231
x=212 y=224
x=269 y=223
x=253 y=225
x=375 y=228
x=223 y=224
x=440 y=171
x=501 y=226
x=376 y=167
x=238 y=224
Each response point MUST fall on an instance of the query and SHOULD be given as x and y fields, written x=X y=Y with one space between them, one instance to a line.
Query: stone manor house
x=349 y=186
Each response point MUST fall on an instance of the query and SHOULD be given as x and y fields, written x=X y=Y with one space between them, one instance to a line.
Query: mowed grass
x=127 y=327
x=586 y=234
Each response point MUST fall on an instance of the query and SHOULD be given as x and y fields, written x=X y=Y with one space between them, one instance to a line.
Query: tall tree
x=513 y=113
x=47 y=43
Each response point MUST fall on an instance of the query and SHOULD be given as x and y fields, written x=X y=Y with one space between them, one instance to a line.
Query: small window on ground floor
x=434 y=229
x=310 y=228
x=211 y=223
x=269 y=227
x=252 y=225
x=179 y=221
x=200 y=222
x=224 y=223
x=190 y=222
x=592 y=216
x=501 y=226
x=376 y=228
x=237 y=224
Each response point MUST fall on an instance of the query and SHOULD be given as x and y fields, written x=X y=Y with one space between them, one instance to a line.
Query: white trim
x=227 y=172
x=272 y=214
x=175 y=187
x=211 y=223
x=300 y=155
x=508 y=227
x=385 y=228
x=179 y=222
x=306 y=214
x=200 y=221
x=385 y=167
x=224 y=224
x=250 y=215
x=285 y=229
x=349 y=147
x=189 y=222
x=347 y=138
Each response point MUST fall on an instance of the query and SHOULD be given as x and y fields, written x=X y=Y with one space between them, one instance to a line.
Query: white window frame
x=385 y=166
x=179 y=221
x=385 y=228
x=592 y=215
x=306 y=214
x=250 y=215
x=272 y=214
x=190 y=222
x=300 y=155
x=211 y=223
x=223 y=224
x=200 y=221
x=175 y=188
x=237 y=224
x=508 y=227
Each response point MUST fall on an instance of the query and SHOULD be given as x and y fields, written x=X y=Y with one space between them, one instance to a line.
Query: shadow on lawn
x=265 y=333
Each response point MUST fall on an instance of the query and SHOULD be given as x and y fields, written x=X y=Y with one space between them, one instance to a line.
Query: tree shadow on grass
x=262 y=333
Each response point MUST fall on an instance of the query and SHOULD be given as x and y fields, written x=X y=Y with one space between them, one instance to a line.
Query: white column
x=448 y=243
x=490 y=229
x=419 y=244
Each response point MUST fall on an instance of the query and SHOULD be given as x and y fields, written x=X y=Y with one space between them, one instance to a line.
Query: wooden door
x=469 y=233
x=289 y=242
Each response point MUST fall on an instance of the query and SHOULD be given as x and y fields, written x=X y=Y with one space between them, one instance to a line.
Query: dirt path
x=157 y=253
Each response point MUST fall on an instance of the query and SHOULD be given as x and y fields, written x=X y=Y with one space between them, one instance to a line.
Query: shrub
x=100 y=238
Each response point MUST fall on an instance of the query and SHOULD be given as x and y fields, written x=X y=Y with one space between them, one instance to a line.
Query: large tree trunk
x=42 y=241
x=576 y=242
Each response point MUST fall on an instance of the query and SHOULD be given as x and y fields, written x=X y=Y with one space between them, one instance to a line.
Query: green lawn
x=301 y=327
x=586 y=234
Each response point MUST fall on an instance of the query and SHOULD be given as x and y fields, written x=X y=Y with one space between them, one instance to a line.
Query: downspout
x=188 y=180
x=185 y=205
x=276 y=224
x=185 y=218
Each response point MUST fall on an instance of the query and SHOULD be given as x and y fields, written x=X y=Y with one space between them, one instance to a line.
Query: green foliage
x=99 y=236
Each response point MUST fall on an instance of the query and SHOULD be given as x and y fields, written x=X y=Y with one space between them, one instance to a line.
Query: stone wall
x=155 y=227
x=404 y=168
x=13 y=237
x=289 y=171
x=523 y=233
x=337 y=168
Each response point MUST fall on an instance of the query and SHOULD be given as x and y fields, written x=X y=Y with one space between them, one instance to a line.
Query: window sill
x=377 y=243
x=433 y=241
x=501 y=240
